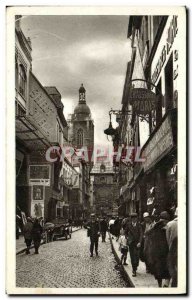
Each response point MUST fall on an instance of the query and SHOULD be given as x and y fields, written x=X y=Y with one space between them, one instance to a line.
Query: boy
x=123 y=248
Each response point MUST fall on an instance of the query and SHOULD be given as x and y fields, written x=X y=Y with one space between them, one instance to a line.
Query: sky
x=93 y=50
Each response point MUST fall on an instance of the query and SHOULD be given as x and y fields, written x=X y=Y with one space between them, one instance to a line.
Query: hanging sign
x=143 y=101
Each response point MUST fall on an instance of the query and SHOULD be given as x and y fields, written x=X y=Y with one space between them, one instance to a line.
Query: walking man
x=103 y=228
x=36 y=235
x=134 y=235
x=93 y=233
x=27 y=230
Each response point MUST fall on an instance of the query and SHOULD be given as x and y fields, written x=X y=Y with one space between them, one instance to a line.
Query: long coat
x=156 y=251
x=36 y=232
x=134 y=233
x=93 y=230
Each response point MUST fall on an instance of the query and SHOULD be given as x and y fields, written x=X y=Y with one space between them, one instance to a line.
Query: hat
x=92 y=215
x=132 y=215
x=145 y=215
x=164 y=215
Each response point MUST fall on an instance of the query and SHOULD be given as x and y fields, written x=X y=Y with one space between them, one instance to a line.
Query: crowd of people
x=152 y=241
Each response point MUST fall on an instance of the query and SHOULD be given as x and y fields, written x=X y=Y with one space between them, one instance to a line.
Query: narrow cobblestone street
x=67 y=264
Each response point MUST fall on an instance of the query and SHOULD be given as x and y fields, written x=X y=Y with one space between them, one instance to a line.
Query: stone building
x=40 y=124
x=151 y=184
x=81 y=135
x=104 y=188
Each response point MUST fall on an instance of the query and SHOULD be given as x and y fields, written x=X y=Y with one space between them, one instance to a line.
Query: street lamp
x=110 y=131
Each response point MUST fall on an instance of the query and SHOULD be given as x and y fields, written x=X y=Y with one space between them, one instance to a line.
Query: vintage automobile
x=57 y=228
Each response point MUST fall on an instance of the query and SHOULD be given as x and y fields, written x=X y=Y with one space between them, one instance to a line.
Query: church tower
x=82 y=123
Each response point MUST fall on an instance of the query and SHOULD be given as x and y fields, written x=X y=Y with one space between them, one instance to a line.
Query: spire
x=82 y=92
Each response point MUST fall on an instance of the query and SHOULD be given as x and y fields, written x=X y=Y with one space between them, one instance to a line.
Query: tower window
x=80 y=137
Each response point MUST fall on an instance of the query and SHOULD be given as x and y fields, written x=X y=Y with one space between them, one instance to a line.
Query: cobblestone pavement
x=65 y=264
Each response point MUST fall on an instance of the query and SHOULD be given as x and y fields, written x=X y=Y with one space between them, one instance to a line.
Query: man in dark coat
x=134 y=236
x=156 y=249
x=103 y=229
x=93 y=233
x=27 y=232
x=36 y=235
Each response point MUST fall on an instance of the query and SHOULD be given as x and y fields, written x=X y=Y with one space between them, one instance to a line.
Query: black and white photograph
x=96 y=190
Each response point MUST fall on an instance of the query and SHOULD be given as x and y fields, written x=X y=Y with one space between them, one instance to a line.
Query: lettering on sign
x=171 y=34
x=142 y=100
x=160 y=143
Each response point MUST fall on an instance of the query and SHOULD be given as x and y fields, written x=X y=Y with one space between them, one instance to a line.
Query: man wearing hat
x=135 y=234
x=27 y=232
x=93 y=233
x=146 y=225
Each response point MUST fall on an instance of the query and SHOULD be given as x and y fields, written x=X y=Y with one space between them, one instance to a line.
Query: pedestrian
x=171 y=235
x=146 y=225
x=111 y=226
x=123 y=245
x=171 y=230
x=36 y=235
x=117 y=227
x=93 y=233
x=103 y=228
x=134 y=235
x=27 y=232
x=156 y=250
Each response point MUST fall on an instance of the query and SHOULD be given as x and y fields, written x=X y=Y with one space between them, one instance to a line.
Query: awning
x=30 y=134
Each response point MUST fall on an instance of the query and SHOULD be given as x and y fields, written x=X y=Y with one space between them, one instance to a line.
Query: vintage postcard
x=96 y=143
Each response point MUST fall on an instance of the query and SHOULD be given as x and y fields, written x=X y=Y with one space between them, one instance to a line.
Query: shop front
x=160 y=166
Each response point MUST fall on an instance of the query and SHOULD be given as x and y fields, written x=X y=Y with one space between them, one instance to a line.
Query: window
x=159 y=103
x=22 y=81
x=19 y=110
x=16 y=73
x=80 y=137
x=169 y=84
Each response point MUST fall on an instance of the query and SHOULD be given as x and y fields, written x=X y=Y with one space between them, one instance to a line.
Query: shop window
x=22 y=81
x=169 y=84
x=80 y=137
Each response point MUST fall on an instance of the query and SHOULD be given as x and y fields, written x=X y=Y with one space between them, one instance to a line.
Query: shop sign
x=159 y=145
x=143 y=101
x=171 y=34
x=39 y=175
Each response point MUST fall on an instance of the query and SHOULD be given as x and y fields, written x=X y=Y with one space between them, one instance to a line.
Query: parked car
x=62 y=230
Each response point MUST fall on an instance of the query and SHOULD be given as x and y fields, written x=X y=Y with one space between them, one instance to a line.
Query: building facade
x=105 y=188
x=151 y=184
x=40 y=125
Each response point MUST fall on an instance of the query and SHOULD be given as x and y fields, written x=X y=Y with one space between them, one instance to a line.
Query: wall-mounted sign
x=171 y=34
x=38 y=193
x=41 y=108
x=159 y=145
x=37 y=209
x=39 y=174
x=142 y=100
